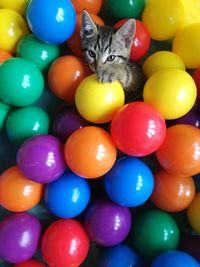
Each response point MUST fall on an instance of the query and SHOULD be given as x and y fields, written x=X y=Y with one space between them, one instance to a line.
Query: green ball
x=154 y=232
x=26 y=122
x=42 y=54
x=4 y=111
x=21 y=82
x=121 y=9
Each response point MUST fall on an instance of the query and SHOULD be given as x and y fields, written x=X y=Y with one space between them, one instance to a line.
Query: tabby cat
x=107 y=51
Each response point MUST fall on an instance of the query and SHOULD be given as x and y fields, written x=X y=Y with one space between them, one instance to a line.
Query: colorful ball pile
x=85 y=178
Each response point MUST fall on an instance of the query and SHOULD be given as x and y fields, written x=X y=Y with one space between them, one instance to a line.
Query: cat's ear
x=126 y=32
x=89 y=28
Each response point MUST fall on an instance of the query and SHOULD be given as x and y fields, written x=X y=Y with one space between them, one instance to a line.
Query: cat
x=107 y=52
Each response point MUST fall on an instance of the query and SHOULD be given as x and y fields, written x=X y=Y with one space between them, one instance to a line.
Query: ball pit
x=143 y=208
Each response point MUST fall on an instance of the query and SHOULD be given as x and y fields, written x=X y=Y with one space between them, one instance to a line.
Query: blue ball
x=120 y=256
x=175 y=258
x=67 y=196
x=130 y=182
x=52 y=21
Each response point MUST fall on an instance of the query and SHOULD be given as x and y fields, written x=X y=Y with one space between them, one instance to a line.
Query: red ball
x=65 y=243
x=141 y=39
x=30 y=263
x=138 y=129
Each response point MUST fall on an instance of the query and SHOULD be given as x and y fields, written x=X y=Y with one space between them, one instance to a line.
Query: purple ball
x=41 y=158
x=107 y=223
x=68 y=122
x=192 y=117
x=19 y=237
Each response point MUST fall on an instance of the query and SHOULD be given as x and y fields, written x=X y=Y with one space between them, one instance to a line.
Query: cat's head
x=104 y=45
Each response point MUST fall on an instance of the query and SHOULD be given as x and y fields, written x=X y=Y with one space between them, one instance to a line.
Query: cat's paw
x=106 y=75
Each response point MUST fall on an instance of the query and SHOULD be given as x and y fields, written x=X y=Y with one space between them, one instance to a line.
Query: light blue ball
x=52 y=21
x=175 y=258
x=68 y=196
x=130 y=182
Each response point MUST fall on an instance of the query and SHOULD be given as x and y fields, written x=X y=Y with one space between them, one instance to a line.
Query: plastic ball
x=193 y=213
x=26 y=122
x=68 y=196
x=172 y=193
x=163 y=25
x=21 y=82
x=12 y=28
x=19 y=237
x=154 y=232
x=92 y=6
x=68 y=235
x=175 y=258
x=41 y=159
x=107 y=223
x=40 y=53
x=90 y=152
x=64 y=83
x=162 y=60
x=129 y=183
x=30 y=263
x=74 y=42
x=179 y=153
x=101 y=100
x=169 y=86
x=53 y=24
x=124 y=8
x=196 y=77
x=17 y=193
x=186 y=45
x=4 y=112
x=192 y=10
x=120 y=256
x=138 y=129
x=4 y=55
x=141 y=39
x=17 y=5
x=68 y=122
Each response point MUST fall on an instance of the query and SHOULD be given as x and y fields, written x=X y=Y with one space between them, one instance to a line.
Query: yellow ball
x=171 y=91
x=17 y=5
x=97 y=102
x=163 y=18
x=186 y=44
x=162 y=60
x=193 y=213
x=12 y=28
x=192 y=10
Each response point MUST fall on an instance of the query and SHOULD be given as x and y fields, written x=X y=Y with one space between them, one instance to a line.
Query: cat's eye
x=91 y=53
x=111 y=58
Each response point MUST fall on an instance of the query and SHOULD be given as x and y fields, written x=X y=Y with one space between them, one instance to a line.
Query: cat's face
x=102 y=45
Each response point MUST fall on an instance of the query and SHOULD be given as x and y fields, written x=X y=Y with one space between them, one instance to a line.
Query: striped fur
x=108 y=51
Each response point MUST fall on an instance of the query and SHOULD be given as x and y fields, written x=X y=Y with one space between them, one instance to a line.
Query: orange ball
x=65 y=74
x=172 y=193
x=74 y=43
x=179 y=154
x=4 y=55
x=17 y=193
x=90 y=152
x=92 y=6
